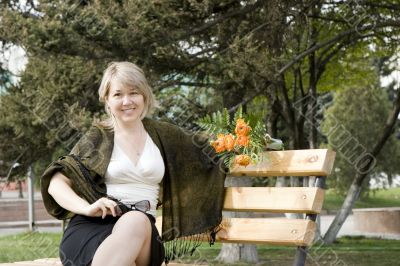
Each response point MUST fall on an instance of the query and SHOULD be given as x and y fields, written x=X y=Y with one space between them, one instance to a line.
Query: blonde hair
x=128 y=75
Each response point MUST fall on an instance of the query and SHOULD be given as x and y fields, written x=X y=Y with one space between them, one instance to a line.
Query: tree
x=344 y=125
x=365 y=165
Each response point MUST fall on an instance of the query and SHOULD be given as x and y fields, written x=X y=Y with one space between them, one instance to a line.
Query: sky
x=395 y=76
x=14 y=60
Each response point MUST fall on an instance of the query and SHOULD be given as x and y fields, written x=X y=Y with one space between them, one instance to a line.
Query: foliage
x=198 y=56
x=69 y=44
x=351 y=125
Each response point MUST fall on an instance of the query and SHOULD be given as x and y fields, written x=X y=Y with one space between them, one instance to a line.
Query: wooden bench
x=299 y=233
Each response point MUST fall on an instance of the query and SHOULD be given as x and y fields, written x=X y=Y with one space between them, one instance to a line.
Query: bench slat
x=33 y=263
x=49 y=261
x=274 y=199
x=273 y=231
x=37 y=263
x=315 y=162
x=56 y=261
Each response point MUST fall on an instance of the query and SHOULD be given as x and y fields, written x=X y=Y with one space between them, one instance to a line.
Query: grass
x=28 y=246
x=346 y=251
x=376 y=199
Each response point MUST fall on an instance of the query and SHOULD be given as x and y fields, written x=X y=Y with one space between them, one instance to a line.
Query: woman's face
x=126 y=104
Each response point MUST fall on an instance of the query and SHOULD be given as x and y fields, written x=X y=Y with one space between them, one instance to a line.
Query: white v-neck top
x=132 y=183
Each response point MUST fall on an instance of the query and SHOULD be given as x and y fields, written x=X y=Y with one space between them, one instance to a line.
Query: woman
x=121 y=170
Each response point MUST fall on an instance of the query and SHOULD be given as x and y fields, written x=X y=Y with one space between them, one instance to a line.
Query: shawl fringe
x=187 y=245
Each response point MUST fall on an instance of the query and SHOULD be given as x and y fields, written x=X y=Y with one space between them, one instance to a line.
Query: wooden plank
x=314 y=162
x=32 y=263
x=36 y=263
x=29 y=263
x=274 y=199
x=50 y=261
x=56 y=261
x=46 y=263
x=273 y=231
x=159 y=224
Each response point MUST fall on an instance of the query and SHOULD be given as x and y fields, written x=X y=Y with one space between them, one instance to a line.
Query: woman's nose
x=126 y=100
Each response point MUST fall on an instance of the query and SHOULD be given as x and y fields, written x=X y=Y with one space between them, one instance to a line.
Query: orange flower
x=219 y=144
x=229 y=142
x=242 y=128
x=242 y=140
x=242 y=159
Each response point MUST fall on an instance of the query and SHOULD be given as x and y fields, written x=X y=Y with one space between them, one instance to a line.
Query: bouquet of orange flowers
x=239 y=142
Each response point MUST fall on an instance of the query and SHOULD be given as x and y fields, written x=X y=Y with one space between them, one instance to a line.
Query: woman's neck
x=129 y=129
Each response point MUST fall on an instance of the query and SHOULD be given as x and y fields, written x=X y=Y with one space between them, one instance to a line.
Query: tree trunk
x=313 y=108
x=231 y=253
x=340 y=218
x=390 y=179
x=20 y=189
x=364 y=168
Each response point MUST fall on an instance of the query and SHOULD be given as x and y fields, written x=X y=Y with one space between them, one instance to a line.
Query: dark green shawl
x=192 y=189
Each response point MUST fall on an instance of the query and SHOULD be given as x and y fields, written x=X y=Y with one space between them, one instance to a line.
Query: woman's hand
x=60 y=189
x=102 y=207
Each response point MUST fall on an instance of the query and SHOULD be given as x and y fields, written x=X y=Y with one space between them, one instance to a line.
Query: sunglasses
x=143 y=206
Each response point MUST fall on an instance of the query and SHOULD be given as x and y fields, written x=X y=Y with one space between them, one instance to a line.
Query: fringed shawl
x=191 y=193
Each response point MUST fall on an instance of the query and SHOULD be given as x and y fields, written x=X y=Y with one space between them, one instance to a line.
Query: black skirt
x=85 y=234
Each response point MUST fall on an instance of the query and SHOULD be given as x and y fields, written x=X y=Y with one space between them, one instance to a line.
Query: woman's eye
x=117 y=94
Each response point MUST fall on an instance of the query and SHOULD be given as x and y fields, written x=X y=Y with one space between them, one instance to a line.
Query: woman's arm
x=60 y=189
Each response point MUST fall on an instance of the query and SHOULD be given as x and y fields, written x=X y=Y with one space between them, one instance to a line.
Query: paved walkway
x=348 y=228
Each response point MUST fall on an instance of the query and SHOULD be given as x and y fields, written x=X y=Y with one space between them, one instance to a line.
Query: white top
x=132 y=183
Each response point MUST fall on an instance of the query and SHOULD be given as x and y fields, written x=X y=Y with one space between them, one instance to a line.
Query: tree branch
x=335 y=39
x=242 y=11
x=246 y=100
x=183 y=83
x=328 y=19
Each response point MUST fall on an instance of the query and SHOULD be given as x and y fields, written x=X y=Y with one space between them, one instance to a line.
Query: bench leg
x=301 y=255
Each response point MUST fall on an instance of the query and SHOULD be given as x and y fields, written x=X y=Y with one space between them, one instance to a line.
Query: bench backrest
x=305 y=200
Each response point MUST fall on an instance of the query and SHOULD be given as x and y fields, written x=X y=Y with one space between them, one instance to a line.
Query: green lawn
x=28 y=246
x=347 y=251
x=379 y=198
